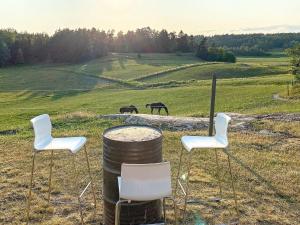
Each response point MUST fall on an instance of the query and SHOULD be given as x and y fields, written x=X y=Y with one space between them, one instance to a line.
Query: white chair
x=144 y=182
x=218 y=141
x=44 y=141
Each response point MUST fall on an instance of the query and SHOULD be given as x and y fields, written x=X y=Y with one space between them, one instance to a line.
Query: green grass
x=276 y=59
x=45 y=78
x=188 y=101
x=245 y=87
x=129 y=66
x=74 y=95
x=221 y=70
x=88 y=75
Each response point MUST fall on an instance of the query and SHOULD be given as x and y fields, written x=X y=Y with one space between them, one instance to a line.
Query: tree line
x=254 y=44
x=72 y=46
x=79 y=45
x=66 y=45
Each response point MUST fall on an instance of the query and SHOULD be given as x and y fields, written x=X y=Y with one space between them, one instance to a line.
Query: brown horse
x=130 y=109
x=158 y=106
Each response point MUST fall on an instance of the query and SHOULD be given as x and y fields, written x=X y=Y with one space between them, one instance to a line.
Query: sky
x=206 y=17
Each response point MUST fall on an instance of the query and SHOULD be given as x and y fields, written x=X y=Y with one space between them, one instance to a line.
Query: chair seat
x=146 y=191
x=73 y=144
x=192 y=142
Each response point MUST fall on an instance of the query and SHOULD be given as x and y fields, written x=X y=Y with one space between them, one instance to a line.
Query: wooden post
x=212 y=105
x=211 y=126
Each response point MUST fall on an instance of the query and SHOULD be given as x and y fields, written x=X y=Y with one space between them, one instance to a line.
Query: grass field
x=75 y=94
x=221 y=70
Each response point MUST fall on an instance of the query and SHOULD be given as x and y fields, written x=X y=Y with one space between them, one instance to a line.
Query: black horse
x=130 y=109
x=158 y=106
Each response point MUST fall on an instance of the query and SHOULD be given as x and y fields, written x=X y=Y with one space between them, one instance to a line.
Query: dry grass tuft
x=274 y=157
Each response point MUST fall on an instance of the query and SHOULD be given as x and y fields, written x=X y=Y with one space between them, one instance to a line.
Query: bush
x=213 y=53
x=229 y=57
x=217 y=55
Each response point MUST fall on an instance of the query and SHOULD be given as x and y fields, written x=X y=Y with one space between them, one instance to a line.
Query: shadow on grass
x=264 y=181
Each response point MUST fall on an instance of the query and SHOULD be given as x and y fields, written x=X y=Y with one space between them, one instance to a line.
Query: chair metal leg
x=91 y=179
x=80 y=211
x=164 y=208
x=118 y=211
x=178 y=172
x=218 y=173
x=232 y=185
x=175 y=209
x=30 y=187
x=79 y=201
x=50 y=177
x=187 y=186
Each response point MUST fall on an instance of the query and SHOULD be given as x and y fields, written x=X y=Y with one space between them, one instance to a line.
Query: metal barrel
x=116 y=152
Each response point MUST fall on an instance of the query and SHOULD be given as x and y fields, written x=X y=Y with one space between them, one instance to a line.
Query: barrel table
x=129 y=144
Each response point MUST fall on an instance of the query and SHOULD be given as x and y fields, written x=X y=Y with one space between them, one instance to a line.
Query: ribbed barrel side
x=115 y=153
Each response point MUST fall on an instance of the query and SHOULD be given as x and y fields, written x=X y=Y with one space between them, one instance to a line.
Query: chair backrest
x=42 y=130
x=221 y=127
x=145 y=182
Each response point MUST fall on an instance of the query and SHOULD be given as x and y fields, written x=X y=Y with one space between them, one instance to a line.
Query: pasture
x=74 y=95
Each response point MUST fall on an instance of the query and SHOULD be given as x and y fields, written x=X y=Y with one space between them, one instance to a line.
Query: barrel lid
x=132 y=133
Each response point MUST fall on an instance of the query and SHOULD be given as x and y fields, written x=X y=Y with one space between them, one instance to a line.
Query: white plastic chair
x=44 y=141
x=144 y=182
x=218 y=141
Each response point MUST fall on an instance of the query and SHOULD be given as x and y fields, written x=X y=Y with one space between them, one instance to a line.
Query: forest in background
x=73 y=46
